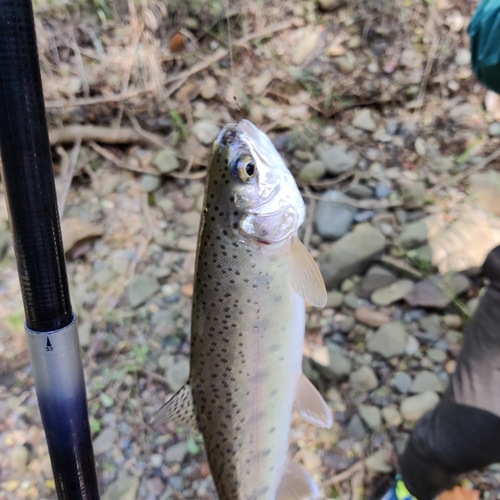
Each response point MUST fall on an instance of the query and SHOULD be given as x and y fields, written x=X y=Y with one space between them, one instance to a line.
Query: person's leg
x=463 y=432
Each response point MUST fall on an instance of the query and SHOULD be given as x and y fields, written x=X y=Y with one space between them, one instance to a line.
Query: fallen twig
x=344 y=476
x=466 y=173
x=181 y=77
x=104 y=135
x=61 y=202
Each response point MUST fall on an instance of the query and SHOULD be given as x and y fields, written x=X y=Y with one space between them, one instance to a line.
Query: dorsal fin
x=296 y=484
x=305 y=276
x=178 y=409
x=310 y=405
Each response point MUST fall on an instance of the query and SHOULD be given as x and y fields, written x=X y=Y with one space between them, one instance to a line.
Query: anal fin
x=178 y=409
x=305 y=276
x=296 y=484
x=310 y=405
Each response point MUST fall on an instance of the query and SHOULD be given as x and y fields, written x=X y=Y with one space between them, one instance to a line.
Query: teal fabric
x=484 y=32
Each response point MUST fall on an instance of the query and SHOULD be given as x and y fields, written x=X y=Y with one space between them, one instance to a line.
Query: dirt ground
x=135 y=94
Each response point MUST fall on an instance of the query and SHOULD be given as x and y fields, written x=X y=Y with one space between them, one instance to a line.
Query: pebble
x=379 y=462
x=306 y=44
x=124 y=488
x=420 y=146
x=331 y=364
x=206 y=131
x=441 y=164
x=141 y=288
x=371 y=416
x=334 y=299
x=412 y=346
x=428 y=292
x=389 y=340
x=414 y=407
x=463 y=57
x=370 y=317
x=19 y=459
x=345 y=64
x=392 y=293
x=363 y=379
x=452 y=321
x=360 y=191
x=382 y=191
x=382 y=136
x=494 y=129
x=209 y=89
x=332 y=219
x=351 y=254
x=356 y=429
x=310 y=459
x=177 y=373
x=336 y=161
x=431 y=325
x=424 y=381
x=105 y=441
x=312 y=172
x=437 y=355
x=413 y=191
x=364 y=216
x=330 y=4
x=84 y=333
x=364 y=121
x=335 y=401
x=176 y=452
x=352 y=301
x=391 y=416
x=414 y=234
x=149 y=183
x=166 y=161
x=375 y=278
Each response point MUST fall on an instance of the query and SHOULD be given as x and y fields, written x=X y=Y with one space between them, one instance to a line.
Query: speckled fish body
x=248 y=322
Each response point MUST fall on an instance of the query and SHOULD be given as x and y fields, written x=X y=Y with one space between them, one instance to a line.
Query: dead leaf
x=76 y=230
x=459 y=493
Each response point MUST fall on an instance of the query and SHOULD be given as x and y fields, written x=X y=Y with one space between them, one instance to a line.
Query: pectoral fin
x=178 y=409
x=310 y=405
x=305 y=276
x=296 y=484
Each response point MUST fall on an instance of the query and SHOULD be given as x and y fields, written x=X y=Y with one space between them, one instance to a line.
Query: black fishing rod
x=51 y=325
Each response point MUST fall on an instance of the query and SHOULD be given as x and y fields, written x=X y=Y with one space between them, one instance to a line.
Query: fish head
x=252 y=174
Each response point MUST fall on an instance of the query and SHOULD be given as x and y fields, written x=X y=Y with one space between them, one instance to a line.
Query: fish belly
x=247 y=337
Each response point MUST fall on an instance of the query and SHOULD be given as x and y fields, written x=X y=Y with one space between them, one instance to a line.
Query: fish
x=252 y=279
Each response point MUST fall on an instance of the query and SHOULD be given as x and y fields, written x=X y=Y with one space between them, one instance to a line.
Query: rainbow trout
x=252 y=278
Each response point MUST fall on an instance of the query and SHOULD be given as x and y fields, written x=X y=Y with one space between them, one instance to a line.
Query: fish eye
x=246 y=168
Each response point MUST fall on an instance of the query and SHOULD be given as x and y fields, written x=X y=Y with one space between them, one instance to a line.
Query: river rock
x=363 y=379
x=424 y=381
x=389 y=340
x=336 y=161
x=379 y=462
x=364 y=121
x=177 y=373
x=351 y=254
x=417 y=233
x=401 y=382
x=431 y=325
x=414 y=407
x=312 y=172
x=370 y=416
x=105 y=441
x=437 y=291
x=332 y=364
x=392 y=293
x=391 y=416
x=333 y=219
x=124 y=488
x=166 y=161
x=356 y=429
x=141 y=288
x=206 y=131
x=370 y=317
x=375 y=278
x=176 y=452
